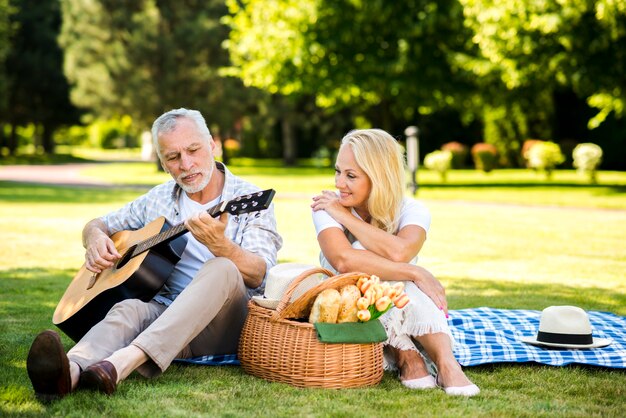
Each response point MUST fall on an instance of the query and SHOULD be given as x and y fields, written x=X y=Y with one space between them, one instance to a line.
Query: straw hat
x=565 y=327
x=278 y=280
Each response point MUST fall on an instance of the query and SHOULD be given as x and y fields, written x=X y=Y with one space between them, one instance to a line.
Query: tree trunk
x=46 y=139
x=12 y=140
x=289 y=142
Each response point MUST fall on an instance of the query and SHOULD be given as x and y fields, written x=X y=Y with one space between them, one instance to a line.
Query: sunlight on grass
x=511 y=255
x=526 y=187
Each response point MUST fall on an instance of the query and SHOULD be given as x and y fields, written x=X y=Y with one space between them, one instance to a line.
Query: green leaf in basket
x=375 y=313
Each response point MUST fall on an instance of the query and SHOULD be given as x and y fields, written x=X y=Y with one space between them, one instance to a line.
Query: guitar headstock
x=252 y=202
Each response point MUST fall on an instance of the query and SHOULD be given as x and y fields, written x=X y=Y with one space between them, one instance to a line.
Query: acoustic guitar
x=148 y=258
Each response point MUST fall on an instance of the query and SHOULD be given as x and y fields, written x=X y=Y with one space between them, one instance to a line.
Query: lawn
x=509 y=240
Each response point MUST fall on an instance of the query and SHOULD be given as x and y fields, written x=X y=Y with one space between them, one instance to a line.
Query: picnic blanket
x=487 y=335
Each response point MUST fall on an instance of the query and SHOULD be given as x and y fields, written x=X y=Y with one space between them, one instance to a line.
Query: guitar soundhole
x=125 y=257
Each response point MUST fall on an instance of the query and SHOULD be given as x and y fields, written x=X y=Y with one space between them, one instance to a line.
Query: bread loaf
x=326 y=307
x=350 y=294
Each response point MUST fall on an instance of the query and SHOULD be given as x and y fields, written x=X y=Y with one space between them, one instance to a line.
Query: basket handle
x=294 y=284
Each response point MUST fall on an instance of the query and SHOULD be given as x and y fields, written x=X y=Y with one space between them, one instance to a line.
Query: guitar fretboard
x=242 y=204
x=173 y=232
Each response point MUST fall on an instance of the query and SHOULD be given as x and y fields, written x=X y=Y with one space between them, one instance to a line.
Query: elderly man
x=202 y=307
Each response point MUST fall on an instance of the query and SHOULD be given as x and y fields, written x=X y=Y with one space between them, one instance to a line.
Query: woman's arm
x=340 y=254
x=402 y=247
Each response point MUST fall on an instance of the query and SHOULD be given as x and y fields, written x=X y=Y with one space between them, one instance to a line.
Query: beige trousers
x=206 y=318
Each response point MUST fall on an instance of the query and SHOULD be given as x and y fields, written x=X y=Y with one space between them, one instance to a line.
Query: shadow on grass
x=28 y=297
x=16 y=192
x=471 y=293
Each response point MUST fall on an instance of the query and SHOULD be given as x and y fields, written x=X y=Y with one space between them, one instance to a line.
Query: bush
x=112 y=133
x=526 y=146
x=440 y=161
x=459 y=153
x=587 y=158
x=485 y=156
x=545 y=156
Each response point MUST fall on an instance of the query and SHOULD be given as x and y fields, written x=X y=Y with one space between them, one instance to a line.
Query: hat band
x=552 y=337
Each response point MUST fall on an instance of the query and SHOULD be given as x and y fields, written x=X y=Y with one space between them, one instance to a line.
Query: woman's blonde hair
x=381 y=157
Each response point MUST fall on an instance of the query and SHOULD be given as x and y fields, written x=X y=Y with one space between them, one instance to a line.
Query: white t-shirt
x=195 y=254
x=412 y=212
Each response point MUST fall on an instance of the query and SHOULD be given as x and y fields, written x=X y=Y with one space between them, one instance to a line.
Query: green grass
x=513 y=254
x=566 y=188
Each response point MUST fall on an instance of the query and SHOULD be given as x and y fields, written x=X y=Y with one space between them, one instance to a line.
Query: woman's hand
x=428 y=284
x=329 y=201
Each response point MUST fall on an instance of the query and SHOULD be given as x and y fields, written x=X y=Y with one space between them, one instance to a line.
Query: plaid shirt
x=257 y=234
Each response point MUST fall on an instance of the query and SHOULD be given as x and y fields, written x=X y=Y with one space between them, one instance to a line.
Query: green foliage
x=113 y=133
x=348 y=53
x=37 y=88
x=439 y=161
x=587 y=158
x=545 y=156
x=529 y=49
x=143 y=58
x=5 y=32
x=485 y=156
x=72 y=135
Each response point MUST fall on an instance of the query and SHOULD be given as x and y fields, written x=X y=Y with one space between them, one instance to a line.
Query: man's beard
x=206 y=177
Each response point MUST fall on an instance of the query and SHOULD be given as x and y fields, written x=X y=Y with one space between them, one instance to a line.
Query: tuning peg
x=257 y=215
x=236 y=219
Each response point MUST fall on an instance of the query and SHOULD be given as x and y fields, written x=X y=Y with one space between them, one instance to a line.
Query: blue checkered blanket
x=486 y=335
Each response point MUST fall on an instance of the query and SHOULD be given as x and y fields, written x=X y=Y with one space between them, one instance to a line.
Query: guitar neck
x=242 y=204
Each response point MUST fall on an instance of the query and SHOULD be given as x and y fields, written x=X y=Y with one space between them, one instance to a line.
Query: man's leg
x=54 y=373
x=206 y=318
x=120 y=326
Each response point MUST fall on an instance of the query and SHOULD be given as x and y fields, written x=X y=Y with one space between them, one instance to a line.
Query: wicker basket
x=275 y=347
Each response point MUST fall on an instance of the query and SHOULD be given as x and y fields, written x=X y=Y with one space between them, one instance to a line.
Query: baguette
x=350 y=294
x=326 y=307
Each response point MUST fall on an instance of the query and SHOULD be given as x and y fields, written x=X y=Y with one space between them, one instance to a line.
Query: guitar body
x=87 y=300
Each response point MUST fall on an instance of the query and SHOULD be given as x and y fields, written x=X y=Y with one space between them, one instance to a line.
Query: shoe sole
x=48 y=367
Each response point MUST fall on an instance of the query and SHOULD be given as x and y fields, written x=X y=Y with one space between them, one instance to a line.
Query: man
x=203 y=305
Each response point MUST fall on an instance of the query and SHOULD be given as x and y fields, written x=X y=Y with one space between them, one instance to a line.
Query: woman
x=370 y=226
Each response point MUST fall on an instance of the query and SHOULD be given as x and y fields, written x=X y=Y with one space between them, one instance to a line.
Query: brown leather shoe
x=48 y=367
x=100 y=376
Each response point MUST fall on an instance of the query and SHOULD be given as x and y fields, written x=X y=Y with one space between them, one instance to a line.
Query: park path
x=63 y=174
x=71 y=175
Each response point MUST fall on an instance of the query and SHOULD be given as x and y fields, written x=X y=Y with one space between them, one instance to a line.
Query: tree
x=386 y=60
x=37 y=90
x=142 y=58
x=530 y=51
x=5 y=25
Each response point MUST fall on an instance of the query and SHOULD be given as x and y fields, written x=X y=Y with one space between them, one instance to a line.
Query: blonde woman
x=369 y=225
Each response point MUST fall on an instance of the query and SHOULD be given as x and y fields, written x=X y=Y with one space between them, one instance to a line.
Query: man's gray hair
x=167 y=123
